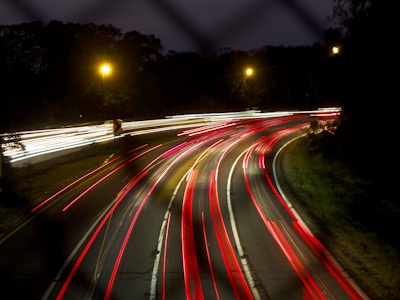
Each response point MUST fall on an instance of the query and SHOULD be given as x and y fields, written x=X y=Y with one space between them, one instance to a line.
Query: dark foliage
x=49 y=76
x=9 y=195
x=376 y=199
x=367 y=86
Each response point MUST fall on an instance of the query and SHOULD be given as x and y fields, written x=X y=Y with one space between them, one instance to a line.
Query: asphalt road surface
x=198 y=217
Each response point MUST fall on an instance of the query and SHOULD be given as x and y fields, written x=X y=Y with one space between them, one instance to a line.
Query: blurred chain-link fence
x=203 y=25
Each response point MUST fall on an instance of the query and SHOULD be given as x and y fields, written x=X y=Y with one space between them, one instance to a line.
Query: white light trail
x=41 y=142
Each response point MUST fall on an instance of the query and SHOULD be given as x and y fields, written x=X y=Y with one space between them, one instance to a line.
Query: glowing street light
x=249 y=72
x=335 y=50
x=105 y=70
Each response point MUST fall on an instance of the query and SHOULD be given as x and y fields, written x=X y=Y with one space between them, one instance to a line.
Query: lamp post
x=247 y=88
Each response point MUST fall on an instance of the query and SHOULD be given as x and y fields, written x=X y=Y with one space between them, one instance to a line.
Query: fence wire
x=175 y=14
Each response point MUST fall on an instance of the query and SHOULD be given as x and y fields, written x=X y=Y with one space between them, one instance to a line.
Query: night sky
x=184 y=25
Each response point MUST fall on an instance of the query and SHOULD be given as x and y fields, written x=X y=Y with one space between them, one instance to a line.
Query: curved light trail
x=169 y=220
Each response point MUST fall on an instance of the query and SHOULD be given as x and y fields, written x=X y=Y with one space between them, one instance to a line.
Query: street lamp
x=105 y=70
x=249 y=72
x=247 y=87
x=335 y=50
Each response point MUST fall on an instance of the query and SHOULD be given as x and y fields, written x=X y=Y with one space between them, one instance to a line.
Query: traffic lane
x=135 y=275
x=37 y=248
x=127 y=236
x=261 y=255
x=122 y=223
x=187 y=237
x=167 y=273
x=310 y=260
x=50 y=235
x=217 y=267
x=129 y=264
x=212 y=247
x=194 y=261
x=332 y=279
x=273 y=273
x=219 y=230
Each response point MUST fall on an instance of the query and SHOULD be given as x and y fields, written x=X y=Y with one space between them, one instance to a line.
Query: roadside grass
x=332 y=201
x=24 y=187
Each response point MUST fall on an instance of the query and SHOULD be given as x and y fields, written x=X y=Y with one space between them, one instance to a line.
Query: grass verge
x=328 y=196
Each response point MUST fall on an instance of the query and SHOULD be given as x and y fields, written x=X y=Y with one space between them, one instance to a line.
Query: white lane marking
x=236 y=235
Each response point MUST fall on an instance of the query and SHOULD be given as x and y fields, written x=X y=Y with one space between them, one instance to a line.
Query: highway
x=200 y=216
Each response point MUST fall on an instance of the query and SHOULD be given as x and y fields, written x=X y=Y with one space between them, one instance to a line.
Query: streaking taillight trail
x=189 y=256
x=93 y=238
x=312 y=289
x=207 y=149
x=235 y=274
x=209 y=256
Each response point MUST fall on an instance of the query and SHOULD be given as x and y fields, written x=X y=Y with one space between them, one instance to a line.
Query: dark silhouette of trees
x=50 y=73
x=366 y=32
x=50 y=77
x=364 y=85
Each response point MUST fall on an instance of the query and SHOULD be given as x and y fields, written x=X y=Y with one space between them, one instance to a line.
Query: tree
x=21 y=64
x=9 y=141
x=367 y=28
x=367 y=32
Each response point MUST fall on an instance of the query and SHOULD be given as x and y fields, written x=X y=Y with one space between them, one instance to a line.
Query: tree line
x=50 y=76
